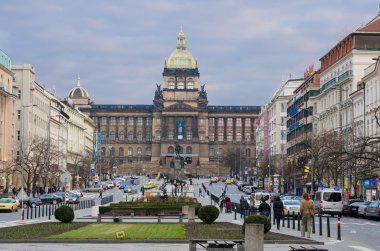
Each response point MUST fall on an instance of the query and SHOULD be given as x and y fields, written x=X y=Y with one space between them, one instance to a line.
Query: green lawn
x=132 y=231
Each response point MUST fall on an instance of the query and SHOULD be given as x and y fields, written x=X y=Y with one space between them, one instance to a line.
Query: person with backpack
x=307 y=214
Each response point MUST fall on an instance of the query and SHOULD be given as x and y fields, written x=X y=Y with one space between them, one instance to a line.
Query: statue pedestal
x=177 y=171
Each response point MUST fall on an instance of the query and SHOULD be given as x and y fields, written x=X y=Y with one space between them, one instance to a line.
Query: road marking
x=361 y=248
x=352 y=232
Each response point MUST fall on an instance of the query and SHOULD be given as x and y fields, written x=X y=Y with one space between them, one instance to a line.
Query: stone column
x=254 y=237
x=191 y=215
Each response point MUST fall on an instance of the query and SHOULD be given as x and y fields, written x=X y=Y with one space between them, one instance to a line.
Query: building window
x=139 y=121
x=189 y=150
x=121 y=152
x=121 y=135
x=238 y=137
x=180 y=85
x=148 y=152
x=112 y=151
x=131 y=121
x=211 y=137
x=171 y=150
x=19 y=94
x=212 y=152
x=190 y=85
x=247 y=123
x=170 y=135
x=229 y=137
x=238 y=122
x=139 y=151
x=104 y=136
x=220 y=136
x=121 y=120
x=189 y=135
x=148 y=121
x=148 y=136
x=130 y=136
x=139 y=136
x=171 y=85
x=220 y=153
x=211 y=122
x=113 y=121
x=248 y=153
x=18 y=114
x=220 y=122
x=130 y=151
x=104 y=121
x=112 y=136
x=18 y=135
x=229 y=122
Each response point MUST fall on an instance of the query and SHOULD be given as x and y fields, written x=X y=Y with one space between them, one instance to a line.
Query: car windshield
x=291 y=202
x=5 y=201
x=332 y=196
x=72 y=196
x=356 y=204
x=374 y=204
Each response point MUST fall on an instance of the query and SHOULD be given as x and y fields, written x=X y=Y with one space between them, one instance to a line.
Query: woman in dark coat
x=278 y=208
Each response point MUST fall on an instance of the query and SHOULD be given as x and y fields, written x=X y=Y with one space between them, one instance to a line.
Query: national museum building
x=142 y=138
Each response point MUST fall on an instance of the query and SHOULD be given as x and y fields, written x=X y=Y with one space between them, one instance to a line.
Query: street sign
x=336 y=188
x=92 y=171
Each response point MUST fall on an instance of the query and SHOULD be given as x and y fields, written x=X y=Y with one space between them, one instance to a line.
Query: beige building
x=7 y=120
x=214 y=140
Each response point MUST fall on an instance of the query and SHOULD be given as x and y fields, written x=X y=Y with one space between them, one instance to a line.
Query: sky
x=244 y=49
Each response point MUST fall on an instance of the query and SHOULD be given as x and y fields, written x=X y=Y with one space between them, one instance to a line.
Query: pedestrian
x=101 y=193
x=200 y=192
x=243 y=206
x=227 y=200
x=142 y=190
x=307 y=214
x=264 y=208
x=221 y=203
x=181 y=187
x=278 y=210
x=14 y=191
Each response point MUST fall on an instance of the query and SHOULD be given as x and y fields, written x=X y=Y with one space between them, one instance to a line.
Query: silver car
x=362 y=207
x=291 y=206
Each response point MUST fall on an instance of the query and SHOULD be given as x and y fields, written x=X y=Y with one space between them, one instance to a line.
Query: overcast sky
x=243 y=48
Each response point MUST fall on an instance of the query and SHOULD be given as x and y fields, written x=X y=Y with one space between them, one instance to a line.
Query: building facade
x=214 y=140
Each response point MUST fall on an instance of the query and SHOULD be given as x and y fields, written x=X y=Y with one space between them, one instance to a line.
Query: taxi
x=228 y=182
x=8 y=204
x=149 y=185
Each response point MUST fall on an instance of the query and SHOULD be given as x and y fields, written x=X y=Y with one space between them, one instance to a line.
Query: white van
x=328 y=201
x=258 y=196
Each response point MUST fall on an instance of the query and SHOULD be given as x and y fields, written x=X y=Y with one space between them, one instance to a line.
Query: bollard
x=288 y=220
x=49 y=212
x=39 y=212
x=313 y=224
x=339 y=237
x=328 y=226
x=320 y=225
x=43 y=211
x=283 y=219
x=294 y=222
x=27 y=213
x=235 y=212
x=274 y=220
x=35 y=212
x=99 y=218
x=298 y=221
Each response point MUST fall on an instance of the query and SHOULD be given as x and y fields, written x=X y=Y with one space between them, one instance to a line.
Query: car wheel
x=54 y=202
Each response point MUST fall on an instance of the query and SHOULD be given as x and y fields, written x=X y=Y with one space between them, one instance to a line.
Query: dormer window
x=190 y=85
x=171 y=85
x=180 y=85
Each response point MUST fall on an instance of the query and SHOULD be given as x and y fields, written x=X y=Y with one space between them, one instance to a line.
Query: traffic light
x=306 y=171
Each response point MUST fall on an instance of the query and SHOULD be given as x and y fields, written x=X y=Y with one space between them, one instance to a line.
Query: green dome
x=180 y=57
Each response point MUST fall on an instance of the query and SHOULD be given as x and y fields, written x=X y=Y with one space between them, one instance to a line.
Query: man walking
x=278 y=209
x=101 y=193
x=307 y=213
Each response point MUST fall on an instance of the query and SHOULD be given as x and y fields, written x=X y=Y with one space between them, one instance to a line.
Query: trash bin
x=117 y=219
x=147 y=195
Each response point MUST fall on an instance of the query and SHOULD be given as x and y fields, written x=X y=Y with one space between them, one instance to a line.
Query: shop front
x=371 y=189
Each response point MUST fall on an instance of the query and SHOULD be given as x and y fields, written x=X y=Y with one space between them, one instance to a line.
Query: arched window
x=238 y=137
x=212 y=152
x=130 y=151
x=190 y=84
x=130 y=136
x=148 y=151
x=121 y=135
x=211 y=137
x=229 y=137
x=189 y=150
x=139 y=151
x=139 y=136
x=121 y=152
x=170 y=149
x=220 y=136
x=171 y=85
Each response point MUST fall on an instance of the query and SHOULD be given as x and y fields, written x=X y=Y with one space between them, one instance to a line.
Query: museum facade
x=213 y=140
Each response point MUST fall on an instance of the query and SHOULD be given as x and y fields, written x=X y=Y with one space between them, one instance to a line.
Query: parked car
x=77 y=192
x=291 y=206
x=373 y=210
x=127 y=189
x=32 y=202
x=72 y=199
x=346 y=205
x=362 y=209
x=8 y=204
x=328 y=201
x=353 y=209
x=95 y=188
x=110 y=185
x=248 y=189
x=63 y=195
x=214 y=180
x=242 y=185
x=50 y=199
x=121 y=185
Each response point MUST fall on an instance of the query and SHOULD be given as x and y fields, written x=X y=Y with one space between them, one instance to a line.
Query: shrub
x=208 y=214
x=258 y=219
x=64 y=214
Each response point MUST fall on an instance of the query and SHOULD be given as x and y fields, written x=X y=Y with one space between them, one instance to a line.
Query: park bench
x=220 y=245
x=311 y=248
x=168 y=215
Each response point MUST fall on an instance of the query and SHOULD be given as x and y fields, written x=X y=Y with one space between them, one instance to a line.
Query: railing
x=106 y=200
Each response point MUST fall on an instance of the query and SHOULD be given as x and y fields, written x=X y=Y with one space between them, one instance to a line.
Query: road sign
x=92 y=171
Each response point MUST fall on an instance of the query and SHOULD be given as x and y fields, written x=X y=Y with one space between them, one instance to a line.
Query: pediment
x=178 y=107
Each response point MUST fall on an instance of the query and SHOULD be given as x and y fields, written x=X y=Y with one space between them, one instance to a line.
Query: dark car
x=32 y=202
x=50 y=199
x=346 y=205
x=353 y=209
x=373 y=210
